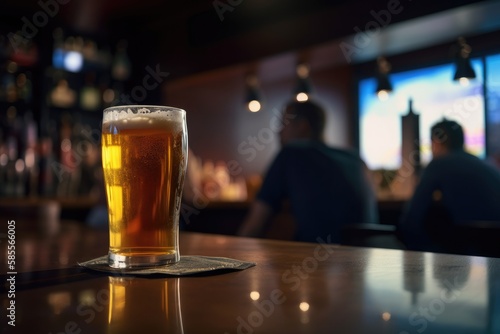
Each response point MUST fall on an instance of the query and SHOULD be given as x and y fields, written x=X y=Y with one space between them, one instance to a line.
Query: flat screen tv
x=435 y=96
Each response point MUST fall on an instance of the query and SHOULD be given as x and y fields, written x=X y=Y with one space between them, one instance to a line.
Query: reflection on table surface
x=295 y=288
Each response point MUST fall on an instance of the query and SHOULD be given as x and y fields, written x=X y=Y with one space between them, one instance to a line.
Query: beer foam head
x=143 y=113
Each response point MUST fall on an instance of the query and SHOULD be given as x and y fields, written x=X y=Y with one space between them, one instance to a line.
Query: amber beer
x=144 y=306
x=144 y=156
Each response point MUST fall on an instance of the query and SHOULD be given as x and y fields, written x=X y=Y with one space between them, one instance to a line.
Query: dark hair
x=312 y=113
x=449 y=133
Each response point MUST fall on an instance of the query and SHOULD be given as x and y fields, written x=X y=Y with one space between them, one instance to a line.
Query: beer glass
x=144 y=157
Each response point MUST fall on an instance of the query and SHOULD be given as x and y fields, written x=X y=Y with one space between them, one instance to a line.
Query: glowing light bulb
x=254 y=106
x=464 y=82
x=383 y=95
x=254 y=295
x=304 y=307
x=73 y=61
x=302 y=97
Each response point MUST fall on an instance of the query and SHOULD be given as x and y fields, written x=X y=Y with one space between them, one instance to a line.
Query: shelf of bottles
x=50 y=114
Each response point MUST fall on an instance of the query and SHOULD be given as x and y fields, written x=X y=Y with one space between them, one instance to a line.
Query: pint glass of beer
x=144 y=156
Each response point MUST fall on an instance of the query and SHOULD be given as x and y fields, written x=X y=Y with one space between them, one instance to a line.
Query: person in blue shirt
x=326 y=187
x=467 y=188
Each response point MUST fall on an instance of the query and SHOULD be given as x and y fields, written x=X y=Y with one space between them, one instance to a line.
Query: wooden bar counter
x=294 y=288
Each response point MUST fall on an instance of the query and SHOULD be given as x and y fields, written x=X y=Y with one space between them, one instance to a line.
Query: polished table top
x=295 y=288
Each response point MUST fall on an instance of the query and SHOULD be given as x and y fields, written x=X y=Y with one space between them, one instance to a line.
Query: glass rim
x=146 y=106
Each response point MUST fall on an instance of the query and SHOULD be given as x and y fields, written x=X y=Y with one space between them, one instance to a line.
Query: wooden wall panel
x=220 y=127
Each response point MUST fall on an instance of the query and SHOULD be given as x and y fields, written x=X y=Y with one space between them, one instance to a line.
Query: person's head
x=302 y=120
x=446 y=136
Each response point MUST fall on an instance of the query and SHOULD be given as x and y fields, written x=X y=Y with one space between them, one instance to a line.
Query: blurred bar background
x=62 y=62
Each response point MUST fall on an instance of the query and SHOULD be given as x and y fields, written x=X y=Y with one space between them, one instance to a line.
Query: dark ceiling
x=188 y=36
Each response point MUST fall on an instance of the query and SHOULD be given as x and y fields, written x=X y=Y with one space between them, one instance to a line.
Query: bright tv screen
x=435 y=96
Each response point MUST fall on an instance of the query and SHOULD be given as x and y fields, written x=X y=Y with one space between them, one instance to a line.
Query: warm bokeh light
x=302 y=97
x=19 y=165
x=66 y=145
x=304 y=307
x=302 y=71
x=254 y=106
x=30 y=158
x=108 y=96
x=87 y=297
x=254 y=295
x=386 y=316
x=59 y=301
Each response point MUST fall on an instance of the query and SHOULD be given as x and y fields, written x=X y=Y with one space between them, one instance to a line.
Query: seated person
x=468 y=187
x=326 y=187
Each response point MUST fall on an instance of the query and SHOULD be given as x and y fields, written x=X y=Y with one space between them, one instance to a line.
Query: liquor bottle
x=70 y=160
x=30 y=154
x=45 y=175
x=46 y=161
x=62 y=95
x=12 y=162
x=121 y=62
x=90 y=97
